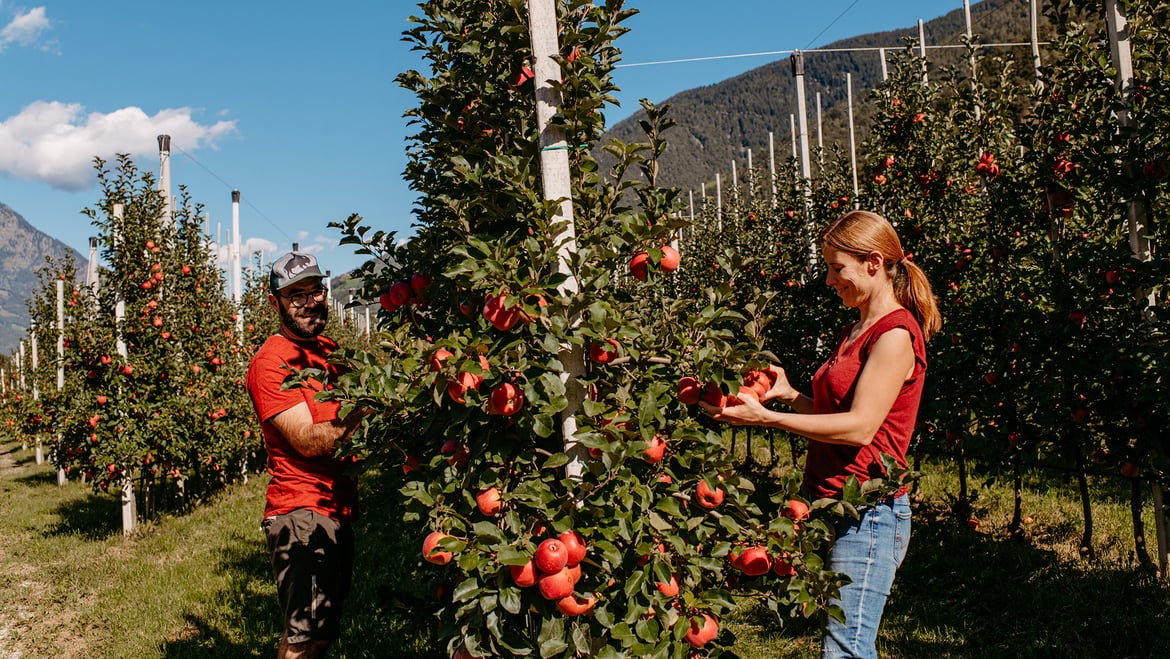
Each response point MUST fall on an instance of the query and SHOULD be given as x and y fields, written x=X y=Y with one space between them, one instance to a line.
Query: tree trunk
x=1139 y=529
x=1086 y=547
x=1014 y=528
x=963 y=504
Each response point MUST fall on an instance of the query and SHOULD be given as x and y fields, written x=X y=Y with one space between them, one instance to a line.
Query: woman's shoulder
x=900 y=319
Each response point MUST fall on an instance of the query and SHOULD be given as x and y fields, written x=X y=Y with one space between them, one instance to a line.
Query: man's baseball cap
x=291 y=268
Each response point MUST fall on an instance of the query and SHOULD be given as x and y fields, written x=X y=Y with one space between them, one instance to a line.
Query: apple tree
x=569 y=496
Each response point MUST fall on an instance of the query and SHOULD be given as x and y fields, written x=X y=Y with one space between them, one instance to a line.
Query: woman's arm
x=890 y=363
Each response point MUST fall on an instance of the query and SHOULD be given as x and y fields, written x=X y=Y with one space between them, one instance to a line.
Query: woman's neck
x=876 y=307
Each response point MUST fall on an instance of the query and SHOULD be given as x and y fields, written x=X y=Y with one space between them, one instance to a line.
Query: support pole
x=852 y=140
x=922 y=49
x=1137 y=215
x=40 y=451
x=772 y=163
x=164 y=179
x=557 y=186
x=974 y=70
x=805 y=167
x=60 y=360
x=1034 y=19
x=718 y=203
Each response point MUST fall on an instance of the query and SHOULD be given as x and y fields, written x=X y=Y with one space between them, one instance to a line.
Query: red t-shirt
x=321 y=483
x=827 y=466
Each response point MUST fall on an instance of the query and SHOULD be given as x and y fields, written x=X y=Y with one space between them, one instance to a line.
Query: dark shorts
x=312 y=560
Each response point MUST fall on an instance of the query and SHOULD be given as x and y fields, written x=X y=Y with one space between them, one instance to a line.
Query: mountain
x=22 y=252
x=721 y=122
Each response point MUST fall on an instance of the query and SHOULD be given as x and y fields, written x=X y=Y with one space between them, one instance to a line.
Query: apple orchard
x=538 y=402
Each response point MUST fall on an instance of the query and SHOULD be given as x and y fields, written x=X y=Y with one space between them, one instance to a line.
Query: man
x=312 y=497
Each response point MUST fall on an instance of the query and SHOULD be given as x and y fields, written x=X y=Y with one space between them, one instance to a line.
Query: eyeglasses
x=301 y=299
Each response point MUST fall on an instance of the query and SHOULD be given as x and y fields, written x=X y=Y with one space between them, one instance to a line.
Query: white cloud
x=56 y=142
x=25 y=29
x=302 y=235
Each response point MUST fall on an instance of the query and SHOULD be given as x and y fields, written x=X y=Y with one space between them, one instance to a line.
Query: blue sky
x=294 y=103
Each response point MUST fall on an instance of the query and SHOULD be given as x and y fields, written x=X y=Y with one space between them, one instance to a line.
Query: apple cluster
x=403 y=293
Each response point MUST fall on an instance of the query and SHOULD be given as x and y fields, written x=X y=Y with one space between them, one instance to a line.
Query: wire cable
x=231 y=187
x=832 y=23
x=821 y=50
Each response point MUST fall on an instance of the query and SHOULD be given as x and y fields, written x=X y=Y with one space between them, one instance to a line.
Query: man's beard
x=305 y=328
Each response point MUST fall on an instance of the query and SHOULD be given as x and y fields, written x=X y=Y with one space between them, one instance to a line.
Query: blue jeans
x=869 y=551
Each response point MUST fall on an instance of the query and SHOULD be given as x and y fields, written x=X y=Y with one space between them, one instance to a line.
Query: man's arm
x=312 y=439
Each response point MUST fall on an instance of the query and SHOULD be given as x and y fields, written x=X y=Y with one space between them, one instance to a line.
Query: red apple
x=387 y=302
x=781 y=567
x=488 y=501
x=796 y=509
x=670 y=259
x=506 y=400
x=638 y=265
x=713 y=395
x=604 y=353
x=571 y=606
x=706 y=497
x=668 y=589
x=526 y=317
x=467 y=308
x=556 y=585
x=759 y=382
x=657 y=449
x=688 y=390
x=400 y=293
x=501 y=317
x=575 y=547
x=438 y=357
x=551 y=556
x=438 y=557
x=702 y=632
x=420 y=283
x=523 y=575
x=755 y=561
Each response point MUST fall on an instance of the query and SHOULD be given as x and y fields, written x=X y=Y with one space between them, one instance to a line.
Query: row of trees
x=152 y=356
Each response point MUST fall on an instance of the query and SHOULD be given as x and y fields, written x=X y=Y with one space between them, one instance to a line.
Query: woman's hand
x=744 y=410
x=781 y=388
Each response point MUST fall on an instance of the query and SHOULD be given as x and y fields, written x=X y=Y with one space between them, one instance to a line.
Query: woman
x=864 y=403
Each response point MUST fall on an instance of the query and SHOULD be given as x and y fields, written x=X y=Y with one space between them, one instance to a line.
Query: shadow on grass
x=961 y=593
x=384 y=614
x=245 y=623
x=94 y=517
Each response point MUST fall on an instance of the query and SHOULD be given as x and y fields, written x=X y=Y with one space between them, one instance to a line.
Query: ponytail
x=912 y=289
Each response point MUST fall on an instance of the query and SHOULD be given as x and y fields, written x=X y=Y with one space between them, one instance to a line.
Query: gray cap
x=291 y=268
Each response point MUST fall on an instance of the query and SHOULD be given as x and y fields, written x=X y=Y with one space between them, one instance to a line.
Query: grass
x=199 y=585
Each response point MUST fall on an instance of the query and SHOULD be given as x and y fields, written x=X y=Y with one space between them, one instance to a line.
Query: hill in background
x=720 y=123
x=23 y=249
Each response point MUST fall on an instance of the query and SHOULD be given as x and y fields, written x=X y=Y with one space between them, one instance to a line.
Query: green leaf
x=509 y=555
x=510 y=599
x=466 y=590
x=552 y=637
x=556 y=460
